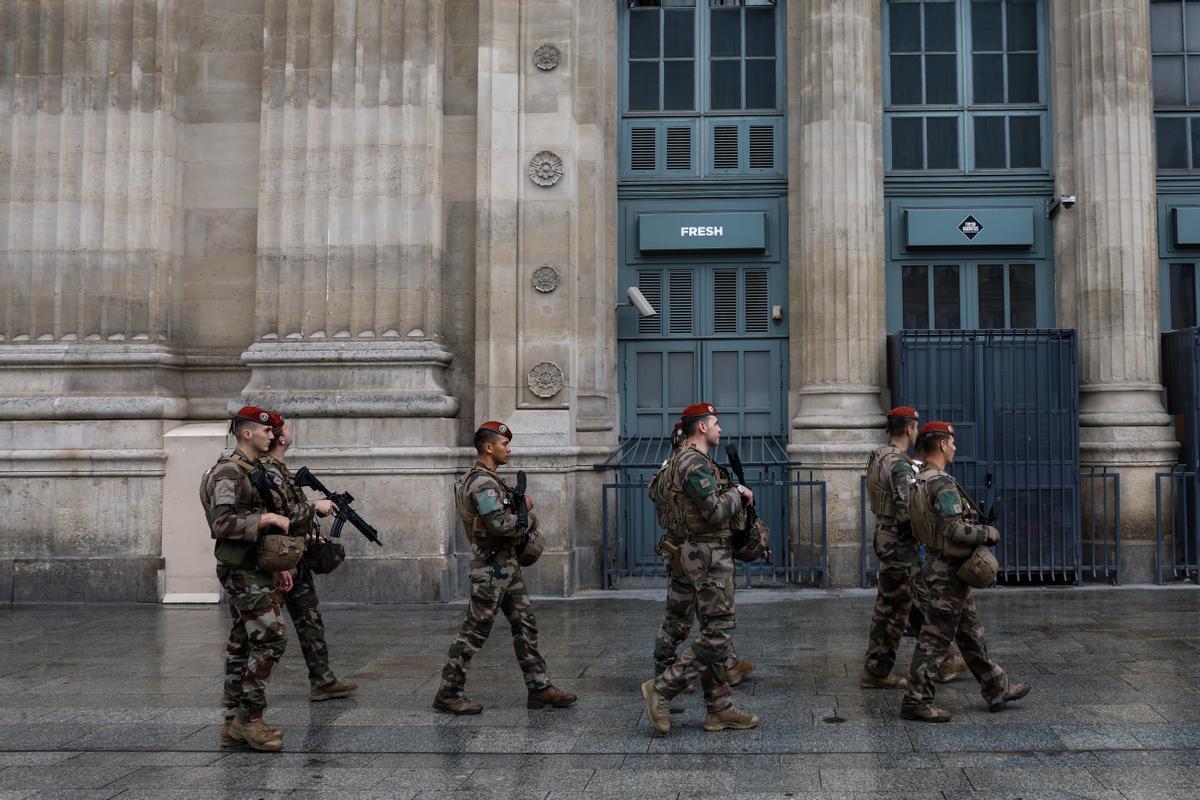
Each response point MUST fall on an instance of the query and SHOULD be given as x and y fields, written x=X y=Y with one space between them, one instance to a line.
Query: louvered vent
x=679 y=149
x=651 y=285
x=643 y=150
x=758 y=302
x=762 y=147
x=725 y=301
x=725 y=147
x=681 y=302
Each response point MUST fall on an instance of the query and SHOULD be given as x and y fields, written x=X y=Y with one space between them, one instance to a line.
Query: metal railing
x=1100 y=524
x=799 y=549
x=1177 y=525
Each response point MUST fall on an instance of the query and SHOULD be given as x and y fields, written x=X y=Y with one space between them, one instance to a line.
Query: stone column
x=1107 y=247
x=836 y=227
x=90 y=252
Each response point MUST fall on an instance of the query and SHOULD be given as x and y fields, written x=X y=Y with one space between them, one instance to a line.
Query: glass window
x=662 y=62
x=915 y=287
x=946 y=312
x=976 y=58
x=908 y=143
x=1175 y=42
x=991 y=296
x=1183 y=295
x=742 y=54
x=1022 y=296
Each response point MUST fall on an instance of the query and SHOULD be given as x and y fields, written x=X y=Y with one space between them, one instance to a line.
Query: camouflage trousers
x=709 y=570
x=951 y=616
x=894 y=602
x=496 y=585
x=677 y=624
x=302 y=604
x=256 y=641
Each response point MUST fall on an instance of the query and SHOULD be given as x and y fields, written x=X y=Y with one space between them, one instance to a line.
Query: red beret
x=276 y=419
x=498 y=427
x=906 y=412
x=935 y=427
x=254 y=414
x=699 y=410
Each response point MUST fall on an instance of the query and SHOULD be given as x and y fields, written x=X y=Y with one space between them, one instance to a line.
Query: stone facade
x=344 y=210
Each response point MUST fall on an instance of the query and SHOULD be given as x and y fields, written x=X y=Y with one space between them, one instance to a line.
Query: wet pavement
x=123 y=701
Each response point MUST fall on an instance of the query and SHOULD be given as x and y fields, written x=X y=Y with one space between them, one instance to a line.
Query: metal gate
x=1177 y=493
x=1012 y=397
x=793 y=508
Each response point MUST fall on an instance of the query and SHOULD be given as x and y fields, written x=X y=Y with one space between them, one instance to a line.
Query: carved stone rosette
x=545 y=168
x=545 y=279
x=545 y=379
x=546 y=57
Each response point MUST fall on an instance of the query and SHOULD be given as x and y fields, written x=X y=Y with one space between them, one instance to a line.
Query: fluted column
x=836 y=255
x=350 y=210
x=1107 y=245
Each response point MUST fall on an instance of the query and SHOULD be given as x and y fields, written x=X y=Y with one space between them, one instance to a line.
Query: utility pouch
x=279 y=553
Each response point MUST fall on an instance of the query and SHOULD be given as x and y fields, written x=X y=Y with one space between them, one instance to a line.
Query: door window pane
x=726 y=84
x=1192 y=11
x=1025 y=142
x=908 y=143
x=1196 y=141
x=906 y=80
x=1022 y=296
x=725 y=379
x=1193 y=70
x=940 y=30
x=1171 y=139
x=678 y=90
x=1022 y=25
x=986 y=29
x=643 y=34
x=679 y=34
x=649 y=380
x=904 y=23
x=1166 y=27
x=991 y=296
x=943 y=142
x=760 y=31
x=1023 y=78
x=946 y=313
x=760 y=83
x=941 y=80
x=989 y=143
x=1183 y=295
x=758 y=380
x=915 y=289
x=681 y=380
x=643 y=86
x=726 y=33
x=988 y=81
x=1168 y=81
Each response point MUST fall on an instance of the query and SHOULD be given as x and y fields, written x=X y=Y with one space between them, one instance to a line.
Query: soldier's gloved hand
x=992 y=537
x=324 y=507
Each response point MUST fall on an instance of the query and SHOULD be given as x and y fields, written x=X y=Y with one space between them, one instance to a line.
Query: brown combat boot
x=928 y=713
x=256 y=734
x=332 y=691
x=550 y=696
x=456 y=704
x=738 y=672
x=658 y=708
x=951 y=668
x=868 y=681
x=1015 y=692
x=730 y=719
x=227 y=740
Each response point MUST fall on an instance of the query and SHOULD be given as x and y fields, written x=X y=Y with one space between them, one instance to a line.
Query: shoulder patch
x=487 y=501
x=702 y=483
x=948 y=503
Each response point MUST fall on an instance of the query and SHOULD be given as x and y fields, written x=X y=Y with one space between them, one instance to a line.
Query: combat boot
x=927 y=713
x=738 y=672
x=332 y=691
x=730 y=719
x=456 y=704
x=658 y=708
x=227 y=740
x=951 y=668
x=868 y=681
x=1015 y=692
x=256 y=734
x=550 y=696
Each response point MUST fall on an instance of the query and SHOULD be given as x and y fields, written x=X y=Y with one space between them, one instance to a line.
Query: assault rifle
x=519 y=507
x=735 y=464
x=344 y=512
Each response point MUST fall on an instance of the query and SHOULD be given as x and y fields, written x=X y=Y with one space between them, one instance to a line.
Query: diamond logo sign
x=970 y=227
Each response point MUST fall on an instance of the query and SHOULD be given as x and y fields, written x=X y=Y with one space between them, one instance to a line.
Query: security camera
x=1062 y=201
x=1067 y=200
x=639 y=301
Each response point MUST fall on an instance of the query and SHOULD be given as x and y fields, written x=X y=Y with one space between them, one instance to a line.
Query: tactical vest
x=473 y=523
x=234 y=553
x=927 y=526
x=693 y=520
x=879 y=485
x=668 y=499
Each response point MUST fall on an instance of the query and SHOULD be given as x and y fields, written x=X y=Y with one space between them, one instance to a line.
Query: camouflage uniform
x=890 y=473
x=258 y=636
x=482 y=500
x=677 y=623
x=710 y=507
x=948 y=523
x=301 y=601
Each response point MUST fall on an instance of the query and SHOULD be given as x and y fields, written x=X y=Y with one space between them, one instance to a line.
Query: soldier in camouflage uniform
x=237 y=517
x=301 y=601
x=950 y=526
x=681 y=601
x=890 y=473
x=484 y=505
x=707 y=508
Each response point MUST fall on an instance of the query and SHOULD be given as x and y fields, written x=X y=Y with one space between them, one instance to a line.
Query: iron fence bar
x=1117 y=522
